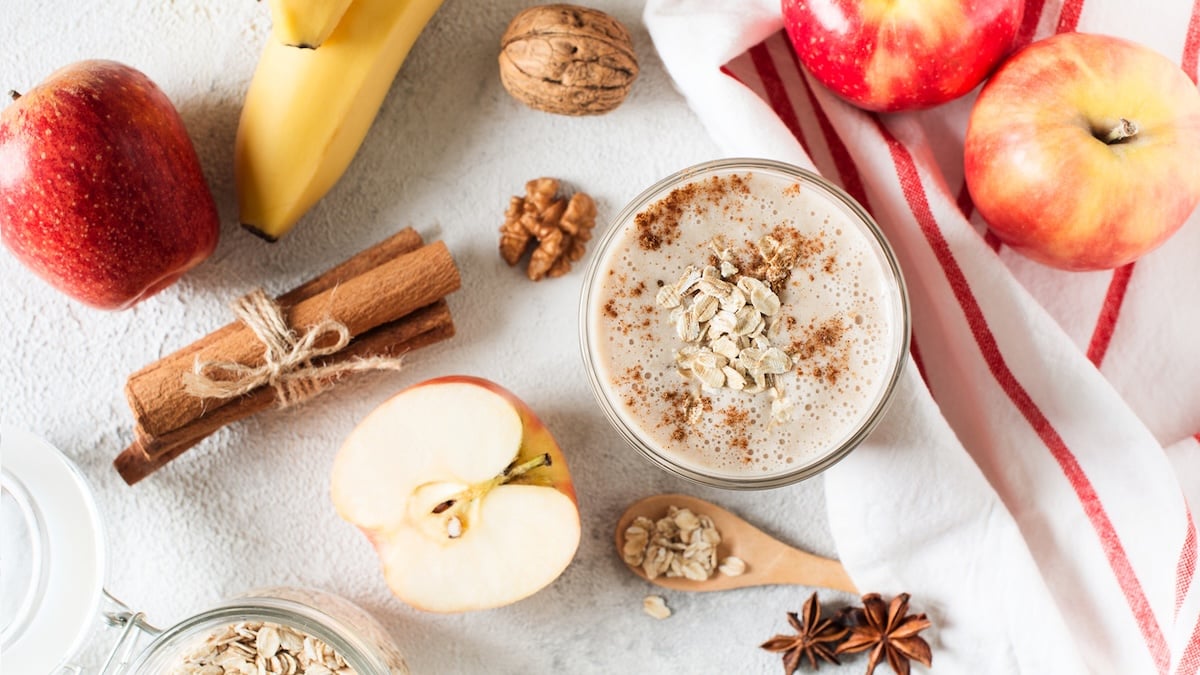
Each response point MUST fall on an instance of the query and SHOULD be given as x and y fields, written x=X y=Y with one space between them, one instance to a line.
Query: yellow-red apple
x=890 y=55
x=463 y=492
x=101 y=192
x=1081 y=151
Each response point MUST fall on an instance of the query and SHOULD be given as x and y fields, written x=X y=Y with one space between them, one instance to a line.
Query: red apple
x=101 y=193
x=1081 y=151
x=463 y=493
x=890 y=55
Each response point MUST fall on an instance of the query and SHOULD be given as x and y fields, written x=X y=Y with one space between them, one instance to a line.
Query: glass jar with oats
x=58 y=617
x=744 y=323
x=274 y=630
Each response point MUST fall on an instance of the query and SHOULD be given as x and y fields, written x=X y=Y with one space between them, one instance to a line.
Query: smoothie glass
x=623 y=332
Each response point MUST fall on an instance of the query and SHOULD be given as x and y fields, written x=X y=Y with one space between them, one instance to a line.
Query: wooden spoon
x=768 y=560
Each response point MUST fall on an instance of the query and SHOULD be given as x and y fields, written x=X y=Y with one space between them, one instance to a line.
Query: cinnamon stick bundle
x=146 y=455
x=373 y=298
x=389 y=296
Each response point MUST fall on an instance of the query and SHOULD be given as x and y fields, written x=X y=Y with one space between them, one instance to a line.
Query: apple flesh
x=892 y=55
x=1081 y=151
x=462 y=491
x=101 y=192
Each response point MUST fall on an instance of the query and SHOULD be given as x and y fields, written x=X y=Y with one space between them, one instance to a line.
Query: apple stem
x=14 y=94
x=457 y=505
x=521 y=469
x=1125 y=129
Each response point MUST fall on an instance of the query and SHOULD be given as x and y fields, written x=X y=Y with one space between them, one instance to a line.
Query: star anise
x=815 y=638
x=888 y=631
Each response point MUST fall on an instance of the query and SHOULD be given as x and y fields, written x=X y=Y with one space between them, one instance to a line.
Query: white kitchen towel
x=1030 y=484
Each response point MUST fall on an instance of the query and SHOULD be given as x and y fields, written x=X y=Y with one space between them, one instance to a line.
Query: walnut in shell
x=567 y=59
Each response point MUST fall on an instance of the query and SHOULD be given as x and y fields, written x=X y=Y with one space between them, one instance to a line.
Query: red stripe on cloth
x=992 y=240
x=730 y=73
x=1185 y=570
x=846 y=168
x=1189 y=663
x=1114 y=550
x=1106 y=323
x=777 y=95
x=1029 y=23
x=965 y=204
x=1191 y=45
x=916 y=355
x=1068 y=18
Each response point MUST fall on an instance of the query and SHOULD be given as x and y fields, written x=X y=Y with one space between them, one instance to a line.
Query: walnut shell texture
x=567 y=60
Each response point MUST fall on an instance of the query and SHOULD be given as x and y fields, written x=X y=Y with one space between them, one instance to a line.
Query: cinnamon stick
x=386 y=340
x=419 y=329
x=375 y=297
x=404 y=241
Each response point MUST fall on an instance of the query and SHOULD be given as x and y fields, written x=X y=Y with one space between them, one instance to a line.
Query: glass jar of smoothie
x=744 y=323
x=58 y=618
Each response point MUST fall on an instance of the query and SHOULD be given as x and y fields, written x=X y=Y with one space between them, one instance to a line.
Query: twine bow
x=287 y=358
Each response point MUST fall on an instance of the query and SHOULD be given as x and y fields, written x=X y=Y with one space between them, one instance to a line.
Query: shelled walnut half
x=555 y=227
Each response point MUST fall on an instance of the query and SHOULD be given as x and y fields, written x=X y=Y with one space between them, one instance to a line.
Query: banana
x=305 y=23
x=308 y=110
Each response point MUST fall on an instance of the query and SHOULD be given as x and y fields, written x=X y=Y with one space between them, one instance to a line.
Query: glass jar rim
x=358 y=653
x=888 y=261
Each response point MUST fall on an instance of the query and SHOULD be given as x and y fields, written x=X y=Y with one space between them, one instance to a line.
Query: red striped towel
x=1030 y=485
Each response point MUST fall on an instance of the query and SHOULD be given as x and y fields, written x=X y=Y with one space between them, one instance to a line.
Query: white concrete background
x=250 y=507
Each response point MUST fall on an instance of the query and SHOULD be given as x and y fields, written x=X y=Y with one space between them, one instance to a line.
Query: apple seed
x=457 y=505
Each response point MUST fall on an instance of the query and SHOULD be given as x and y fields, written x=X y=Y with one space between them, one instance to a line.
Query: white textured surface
x=250 y=507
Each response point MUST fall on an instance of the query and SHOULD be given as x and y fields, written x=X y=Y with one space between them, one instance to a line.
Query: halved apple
x=463 y=492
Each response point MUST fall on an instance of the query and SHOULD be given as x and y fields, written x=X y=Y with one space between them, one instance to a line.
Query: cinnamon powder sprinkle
x=735 y=416
x=635 y=378
x=659 y=223
x=795 y=251
x=739 y=422
x=826 y=343
x=683 y=405
x=820 y=339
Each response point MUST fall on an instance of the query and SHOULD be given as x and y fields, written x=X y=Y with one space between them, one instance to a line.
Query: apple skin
x=893 y=55
x=535 y=440
x=388 y=494
x=101 y=192
x=1044 y=181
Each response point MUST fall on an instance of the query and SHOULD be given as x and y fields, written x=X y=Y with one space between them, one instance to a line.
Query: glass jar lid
x=52 y=567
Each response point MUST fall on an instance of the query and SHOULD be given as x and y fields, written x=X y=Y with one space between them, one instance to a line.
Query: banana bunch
x=308 y=110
